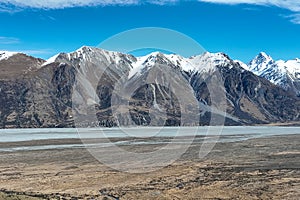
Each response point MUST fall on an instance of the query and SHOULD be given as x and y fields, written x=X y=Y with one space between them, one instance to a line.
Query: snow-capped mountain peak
x=216 y=58
x=184 y=63
x=87 y=53
x=208 y=61
x=283 y=73
x=175 y=60
x=148 y=61
x=151 y=58
x=261 y=62
x=90 y=54
x=264 y=56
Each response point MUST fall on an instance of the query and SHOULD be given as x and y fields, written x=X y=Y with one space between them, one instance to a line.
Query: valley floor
x=264 y=168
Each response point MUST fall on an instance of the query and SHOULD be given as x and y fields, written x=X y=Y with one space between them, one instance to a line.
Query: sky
x=239 y=28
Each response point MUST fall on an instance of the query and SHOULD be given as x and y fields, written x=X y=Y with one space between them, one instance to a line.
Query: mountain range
x=40 y=93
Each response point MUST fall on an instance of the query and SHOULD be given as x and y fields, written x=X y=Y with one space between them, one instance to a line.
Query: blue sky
x=239 y=30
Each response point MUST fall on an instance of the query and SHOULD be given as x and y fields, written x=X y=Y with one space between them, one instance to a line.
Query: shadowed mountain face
x=40 y=98
x=94 y=87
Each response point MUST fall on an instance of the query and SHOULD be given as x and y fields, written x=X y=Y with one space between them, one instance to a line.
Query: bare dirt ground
x=264 y=168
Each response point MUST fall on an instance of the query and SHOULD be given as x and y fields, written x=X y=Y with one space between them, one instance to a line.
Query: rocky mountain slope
x=94 y=87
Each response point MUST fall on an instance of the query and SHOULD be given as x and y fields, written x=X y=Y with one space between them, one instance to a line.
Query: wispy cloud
x=161 y=2
x=9 y=40
x=10 y=5
x=292 y=5
x=37 y=51
x=295 y=18
x=8 y=8
x=17 y=5
x=59 y=4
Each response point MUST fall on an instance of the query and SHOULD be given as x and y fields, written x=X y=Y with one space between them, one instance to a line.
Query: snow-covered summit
x=184 y=63
x=283 y=73
x=208 y=61
x=90 y=54
x=260 y=63
x=143 y=63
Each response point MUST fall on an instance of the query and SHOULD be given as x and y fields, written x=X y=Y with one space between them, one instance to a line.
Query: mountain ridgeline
x=94 y=87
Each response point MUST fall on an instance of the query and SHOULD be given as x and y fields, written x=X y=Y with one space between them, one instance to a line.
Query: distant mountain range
x=38 y=93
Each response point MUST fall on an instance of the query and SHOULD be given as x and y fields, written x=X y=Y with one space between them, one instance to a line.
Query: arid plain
x=262 y=168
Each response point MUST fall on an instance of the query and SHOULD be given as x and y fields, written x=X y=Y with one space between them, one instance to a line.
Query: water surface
x=222 y=134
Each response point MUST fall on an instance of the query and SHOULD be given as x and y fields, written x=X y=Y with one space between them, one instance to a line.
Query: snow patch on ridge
x=50 y=60
x=4 y=55
x=137 y=66
x=183 y=63
x=208 y=61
